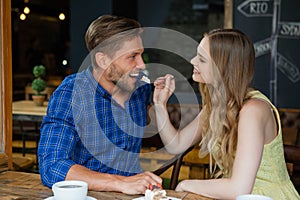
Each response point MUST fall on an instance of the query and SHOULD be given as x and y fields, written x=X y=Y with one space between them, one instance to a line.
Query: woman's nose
x=193 y=61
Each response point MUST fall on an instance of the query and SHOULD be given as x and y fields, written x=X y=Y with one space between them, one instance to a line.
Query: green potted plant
x=39 y=84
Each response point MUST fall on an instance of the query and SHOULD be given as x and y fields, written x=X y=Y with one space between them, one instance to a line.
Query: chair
x=289 y=135
x=175 y=161
x=290 y=121
x=195 y=163
x=22 y=163
x=28 y=144
x=180 y=115
x=30 y=136
x=292 y=156
x=29 y=132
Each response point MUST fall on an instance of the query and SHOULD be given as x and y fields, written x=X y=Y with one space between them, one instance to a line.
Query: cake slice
x=145 y=79
x=156 y=194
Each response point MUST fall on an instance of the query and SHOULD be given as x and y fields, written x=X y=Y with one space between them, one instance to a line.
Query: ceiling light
x=62 y=16
x=64 y=62
x=22 y=16
x=26 y=10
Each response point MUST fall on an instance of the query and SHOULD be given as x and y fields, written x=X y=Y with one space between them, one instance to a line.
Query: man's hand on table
x=138 y=184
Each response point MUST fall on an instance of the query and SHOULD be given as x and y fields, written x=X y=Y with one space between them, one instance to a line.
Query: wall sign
x=274 y=27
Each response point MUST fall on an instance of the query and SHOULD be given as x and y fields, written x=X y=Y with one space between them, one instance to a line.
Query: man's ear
x=101 y=60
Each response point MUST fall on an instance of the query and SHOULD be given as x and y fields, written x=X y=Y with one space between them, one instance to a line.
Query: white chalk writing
x=254 y=8
x=258 y=7
x=288 y=68
x=262 y=47
x=289 y=29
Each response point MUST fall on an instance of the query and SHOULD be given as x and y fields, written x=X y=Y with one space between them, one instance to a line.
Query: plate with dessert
x=156 y=193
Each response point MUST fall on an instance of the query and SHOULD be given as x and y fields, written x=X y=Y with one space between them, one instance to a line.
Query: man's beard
x=121 y=83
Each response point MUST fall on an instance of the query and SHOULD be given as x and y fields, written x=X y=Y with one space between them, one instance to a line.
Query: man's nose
x=140 y=63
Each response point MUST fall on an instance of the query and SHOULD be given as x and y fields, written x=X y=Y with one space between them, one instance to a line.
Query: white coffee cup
x=71 y=189
x=252 y=197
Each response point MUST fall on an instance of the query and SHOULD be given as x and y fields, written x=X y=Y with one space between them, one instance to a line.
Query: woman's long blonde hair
x=233 y=59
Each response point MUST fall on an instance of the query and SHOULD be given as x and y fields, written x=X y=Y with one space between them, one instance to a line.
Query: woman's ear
x=101 y=60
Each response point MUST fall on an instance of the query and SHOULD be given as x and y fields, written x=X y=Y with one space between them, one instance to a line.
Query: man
x=95 y=118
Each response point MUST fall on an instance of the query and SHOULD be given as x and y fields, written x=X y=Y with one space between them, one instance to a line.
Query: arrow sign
x=256 y=8
x=289 y=29
x=288 y=68
x=262 y=47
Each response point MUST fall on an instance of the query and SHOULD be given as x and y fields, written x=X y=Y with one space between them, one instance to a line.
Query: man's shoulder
x=72 y=79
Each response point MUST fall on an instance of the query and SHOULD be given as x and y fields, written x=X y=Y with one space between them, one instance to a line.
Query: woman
x=237 y=125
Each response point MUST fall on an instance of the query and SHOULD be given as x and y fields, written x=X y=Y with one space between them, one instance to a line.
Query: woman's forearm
x=169 y=135
x=176 y=141
x=215 y=188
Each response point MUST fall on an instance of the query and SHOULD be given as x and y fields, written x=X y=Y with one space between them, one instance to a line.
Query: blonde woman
x=238 y=125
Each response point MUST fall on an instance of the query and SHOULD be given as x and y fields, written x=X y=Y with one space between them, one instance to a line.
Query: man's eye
x=132 y=57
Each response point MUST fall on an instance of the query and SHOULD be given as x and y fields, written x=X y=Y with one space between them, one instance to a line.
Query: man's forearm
x=96 y=180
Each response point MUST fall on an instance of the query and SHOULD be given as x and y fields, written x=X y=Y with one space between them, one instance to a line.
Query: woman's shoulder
x=257 y=107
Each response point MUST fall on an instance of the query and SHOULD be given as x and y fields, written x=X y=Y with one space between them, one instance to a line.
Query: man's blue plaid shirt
x=85 y=126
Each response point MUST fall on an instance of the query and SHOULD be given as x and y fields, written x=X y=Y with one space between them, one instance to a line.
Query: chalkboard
x=274 y=27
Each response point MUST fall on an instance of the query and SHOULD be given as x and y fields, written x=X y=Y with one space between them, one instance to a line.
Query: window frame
x=5 y=85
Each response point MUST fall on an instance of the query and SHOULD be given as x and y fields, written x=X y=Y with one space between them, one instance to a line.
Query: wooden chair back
x=289 y=135
x=290 y=121
x=180 y=115
x=292 y=156
x=176 y=162
x=169 y=160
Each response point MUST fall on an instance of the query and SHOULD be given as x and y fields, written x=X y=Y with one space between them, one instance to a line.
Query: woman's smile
x=195 y=71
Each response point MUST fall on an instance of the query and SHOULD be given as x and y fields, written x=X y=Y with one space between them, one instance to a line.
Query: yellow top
x=272 y=178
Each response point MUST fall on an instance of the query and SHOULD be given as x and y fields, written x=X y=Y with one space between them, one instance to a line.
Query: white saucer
x=87 y=198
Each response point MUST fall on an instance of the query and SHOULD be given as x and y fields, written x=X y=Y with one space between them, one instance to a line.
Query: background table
x=28 y=186
x=27 y=111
